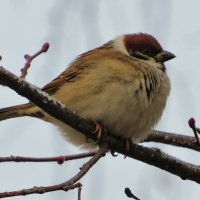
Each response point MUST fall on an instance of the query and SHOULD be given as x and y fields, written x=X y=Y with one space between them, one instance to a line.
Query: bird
x=122 y=84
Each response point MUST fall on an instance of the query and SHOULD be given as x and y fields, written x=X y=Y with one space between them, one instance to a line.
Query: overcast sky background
x=73 y=27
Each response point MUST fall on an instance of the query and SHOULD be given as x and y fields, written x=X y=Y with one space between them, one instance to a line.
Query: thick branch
x=156 y=157
x=151 y=156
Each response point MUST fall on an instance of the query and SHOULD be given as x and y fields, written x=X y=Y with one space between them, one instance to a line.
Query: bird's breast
x=128 y=102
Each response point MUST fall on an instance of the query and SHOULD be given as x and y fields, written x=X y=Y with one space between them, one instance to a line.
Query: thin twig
x=173 y=139
x=129 y=194
x=68 y=185
x=192 y=125
x=58 y=159
x=29 y=59
x=79 y=193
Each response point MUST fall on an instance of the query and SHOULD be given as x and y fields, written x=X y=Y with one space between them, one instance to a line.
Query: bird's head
x=143 y=46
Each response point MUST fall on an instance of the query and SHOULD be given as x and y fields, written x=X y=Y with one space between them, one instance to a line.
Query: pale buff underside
x=110 y=92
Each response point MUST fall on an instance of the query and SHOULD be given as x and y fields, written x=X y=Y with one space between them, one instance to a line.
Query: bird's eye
x=147 y=52
x=139 y=55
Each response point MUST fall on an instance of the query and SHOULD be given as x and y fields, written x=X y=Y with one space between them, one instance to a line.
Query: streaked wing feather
x=74 y=70
x=69 y=75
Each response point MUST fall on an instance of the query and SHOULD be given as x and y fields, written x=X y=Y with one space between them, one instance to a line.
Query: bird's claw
x=100 y=131
x=127 y=145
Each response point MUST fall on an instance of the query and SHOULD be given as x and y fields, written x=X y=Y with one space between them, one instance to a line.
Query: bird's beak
x=164 y=56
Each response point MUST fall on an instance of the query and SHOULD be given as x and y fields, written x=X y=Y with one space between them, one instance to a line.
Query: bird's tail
x=15 y=111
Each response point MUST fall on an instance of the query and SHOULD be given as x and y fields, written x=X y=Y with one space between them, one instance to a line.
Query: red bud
x=27 y=57
x=191 y=122
x=61 y=160
x=45 y=47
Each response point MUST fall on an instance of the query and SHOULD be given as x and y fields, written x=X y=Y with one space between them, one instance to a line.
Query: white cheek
x=119 y=45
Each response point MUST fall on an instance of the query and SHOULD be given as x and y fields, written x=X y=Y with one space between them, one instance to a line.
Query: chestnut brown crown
x=145 y=46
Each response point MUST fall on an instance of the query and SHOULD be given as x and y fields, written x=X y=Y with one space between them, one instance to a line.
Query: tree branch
x=173 y=139
x=156 y=157
x=151 y=156
x=68 y=185
x=29 y=59
x=59 y=159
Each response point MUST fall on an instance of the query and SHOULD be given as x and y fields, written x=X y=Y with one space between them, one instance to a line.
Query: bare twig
x=192 y=125
x=130 y=194
x=39 y=190
x=173 y=139
x=58 y=159
x=29 y=59
x=79 y=193
x=151 y=156
x=68 y=185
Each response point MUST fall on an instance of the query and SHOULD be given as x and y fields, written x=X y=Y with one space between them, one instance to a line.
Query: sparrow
x=123 y=84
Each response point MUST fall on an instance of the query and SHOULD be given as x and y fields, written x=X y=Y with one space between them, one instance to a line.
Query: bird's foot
x=100 y=131
x=127 y=145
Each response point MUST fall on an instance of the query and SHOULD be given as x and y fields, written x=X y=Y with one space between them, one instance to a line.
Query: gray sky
x=73 y=27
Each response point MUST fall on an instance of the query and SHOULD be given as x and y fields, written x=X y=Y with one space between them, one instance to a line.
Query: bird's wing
x=73 y=72
x=76 y=68
x=69 y=75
